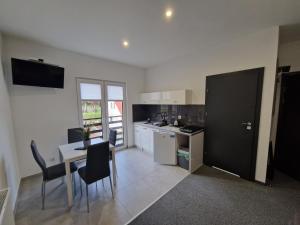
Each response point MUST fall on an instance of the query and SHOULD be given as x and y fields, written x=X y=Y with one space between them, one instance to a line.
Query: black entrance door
x=233 y=110
x=287 y=154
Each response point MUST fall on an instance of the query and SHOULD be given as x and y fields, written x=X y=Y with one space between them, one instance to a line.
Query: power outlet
x=179 y=117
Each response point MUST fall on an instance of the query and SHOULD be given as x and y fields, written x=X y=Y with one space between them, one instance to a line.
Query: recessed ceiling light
x=125 y=43
x=169 y=13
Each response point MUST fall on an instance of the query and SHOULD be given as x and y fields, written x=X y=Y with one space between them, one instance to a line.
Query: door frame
x=125 y=128
x=259 y=91
x=280 y=120
x=256 y=123
x=102 y=102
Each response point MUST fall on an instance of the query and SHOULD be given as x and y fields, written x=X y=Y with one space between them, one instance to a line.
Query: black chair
x=112 y=140
x=75 y=135
x=112 y=137
x=51 y=172
x=97 y=167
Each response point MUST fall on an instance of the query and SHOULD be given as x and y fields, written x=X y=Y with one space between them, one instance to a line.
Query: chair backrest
x=38 y=158
x=97 y=162
x=112 y=137
x=75 y=135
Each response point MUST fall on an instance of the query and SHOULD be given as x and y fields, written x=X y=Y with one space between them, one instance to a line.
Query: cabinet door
x=150 y=140
x=165 y=148
x=144 y=98
x=155 y=97
x=178 y=97
x=173 y=97
x=165 y=97
x=145 y=139
x=150 y=98
x=137 y=136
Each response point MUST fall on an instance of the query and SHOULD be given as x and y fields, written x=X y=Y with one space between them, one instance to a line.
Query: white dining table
x=69 y=154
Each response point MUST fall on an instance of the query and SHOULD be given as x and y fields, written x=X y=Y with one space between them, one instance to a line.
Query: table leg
x=61 y=158
x=114 y=165
x=69 y=184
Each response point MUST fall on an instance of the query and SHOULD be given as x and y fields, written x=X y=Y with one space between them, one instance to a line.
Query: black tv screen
x=34 y=73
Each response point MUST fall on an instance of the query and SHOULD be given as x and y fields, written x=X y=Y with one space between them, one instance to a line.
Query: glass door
x=116 y=113
x=102 y=106
x=91 y=107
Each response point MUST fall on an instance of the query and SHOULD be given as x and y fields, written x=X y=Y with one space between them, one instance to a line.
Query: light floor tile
x=140 y=181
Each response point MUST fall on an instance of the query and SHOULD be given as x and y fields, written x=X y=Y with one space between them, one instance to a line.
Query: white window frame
x=125 y=128
x=104 y=107
x=102 y=102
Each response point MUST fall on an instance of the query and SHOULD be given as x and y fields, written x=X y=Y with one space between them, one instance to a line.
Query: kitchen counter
x=164 y=147
x=167 y=128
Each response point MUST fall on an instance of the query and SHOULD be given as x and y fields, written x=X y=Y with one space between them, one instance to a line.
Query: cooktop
x=190 y=129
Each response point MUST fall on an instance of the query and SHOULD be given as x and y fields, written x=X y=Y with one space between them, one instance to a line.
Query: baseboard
x=131 y=146
x=31 y=176
x=260 y=182
x=197 y=168
x=19 y=189
x=17 y=197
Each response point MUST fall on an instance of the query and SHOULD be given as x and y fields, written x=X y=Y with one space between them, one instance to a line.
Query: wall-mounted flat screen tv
x=35 y=73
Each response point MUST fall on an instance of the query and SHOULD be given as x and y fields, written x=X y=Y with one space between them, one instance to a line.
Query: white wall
x=255 y=50
x=9 y=166
x=289 y=54
x=45 y=114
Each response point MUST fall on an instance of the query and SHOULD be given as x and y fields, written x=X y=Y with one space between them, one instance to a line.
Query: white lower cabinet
x=163 y=144
x=144 y=138
x=165 y=148
x=138 y=136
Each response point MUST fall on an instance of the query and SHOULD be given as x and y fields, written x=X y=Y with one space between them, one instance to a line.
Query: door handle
x=248 y=125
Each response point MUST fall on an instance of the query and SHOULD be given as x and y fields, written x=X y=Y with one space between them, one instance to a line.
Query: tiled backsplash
x=190 y=114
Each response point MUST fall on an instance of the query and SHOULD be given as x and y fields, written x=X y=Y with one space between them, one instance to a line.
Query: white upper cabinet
x=180 y=97
x=150 y=98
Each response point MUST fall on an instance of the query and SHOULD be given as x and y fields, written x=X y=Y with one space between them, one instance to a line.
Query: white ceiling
x=97 y=27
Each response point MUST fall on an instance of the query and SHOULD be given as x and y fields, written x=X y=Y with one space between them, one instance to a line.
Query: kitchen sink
x=158 y=124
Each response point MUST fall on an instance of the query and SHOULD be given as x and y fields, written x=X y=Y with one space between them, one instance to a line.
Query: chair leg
x=42 y=189
x=111 y=188
x=80 y=187
x=44 y=194
x=103 y=183
x=87 y=198
x=74 y=184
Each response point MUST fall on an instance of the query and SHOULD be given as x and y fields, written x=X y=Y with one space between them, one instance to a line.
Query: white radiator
x=6 y=212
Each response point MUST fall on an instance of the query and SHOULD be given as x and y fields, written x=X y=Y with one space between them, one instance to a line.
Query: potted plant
x=86 y=137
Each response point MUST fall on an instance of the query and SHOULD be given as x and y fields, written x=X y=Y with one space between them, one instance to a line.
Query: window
x=91 y=109
x=102 y=107
x=115 y=106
